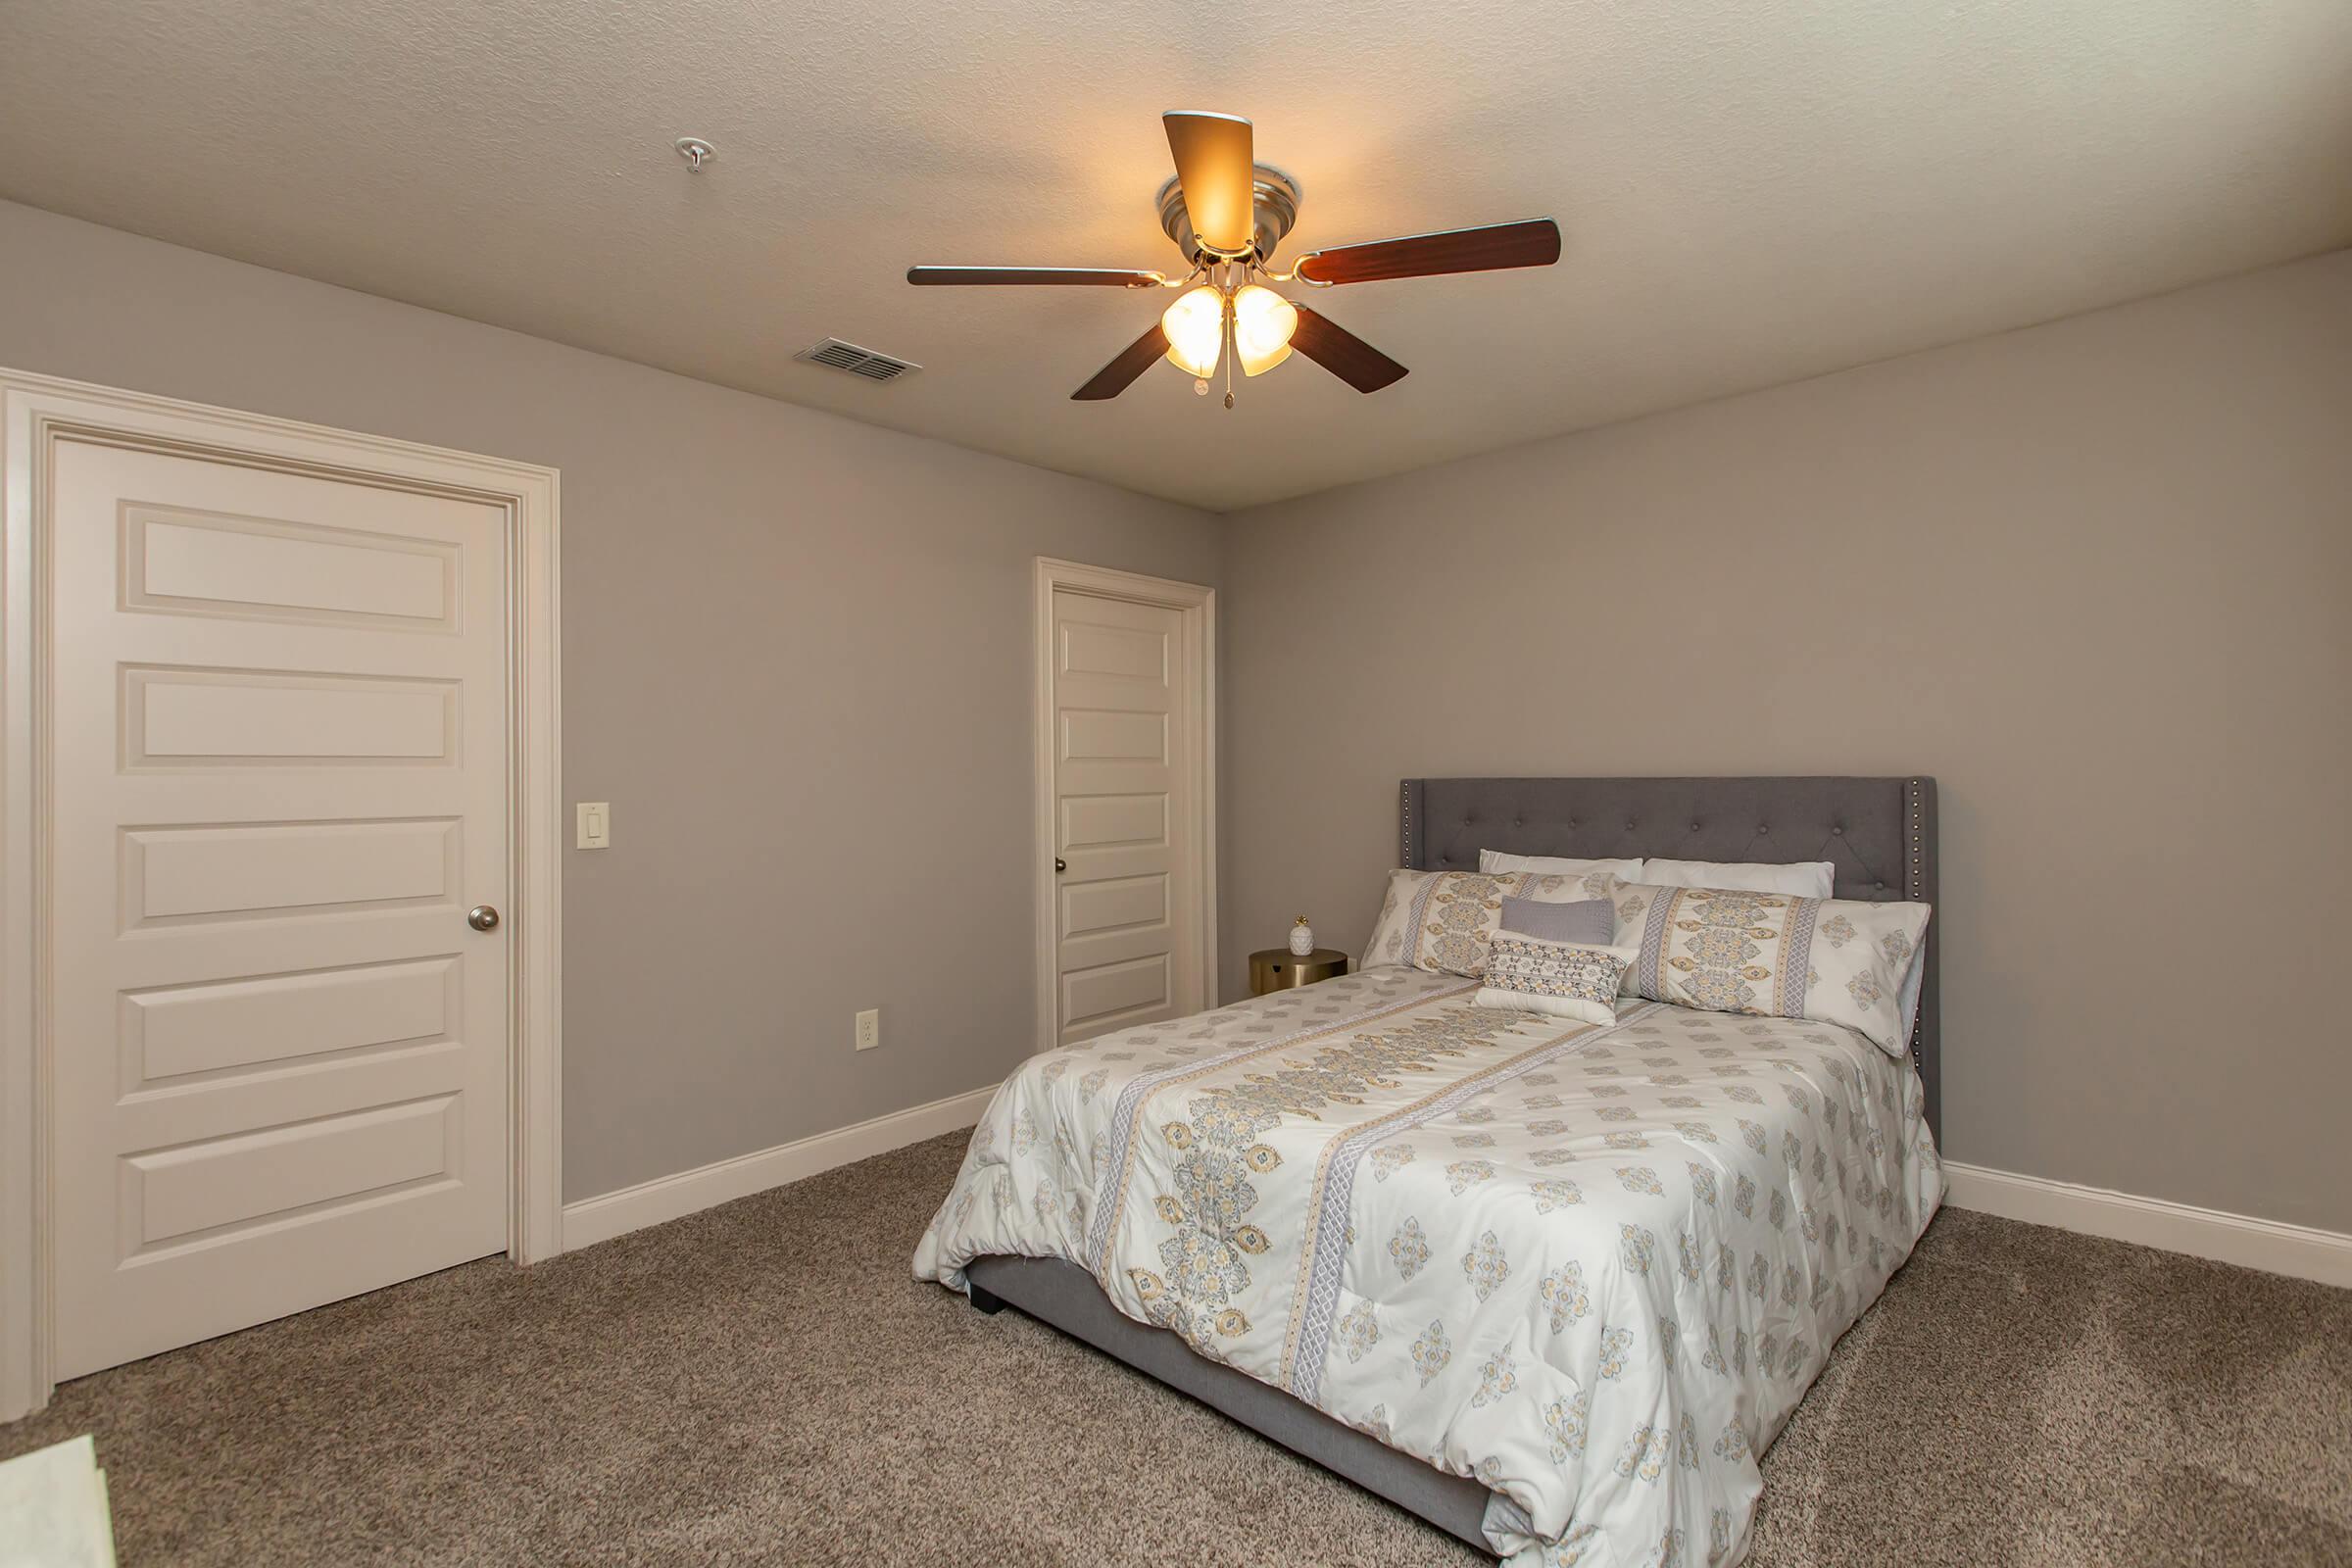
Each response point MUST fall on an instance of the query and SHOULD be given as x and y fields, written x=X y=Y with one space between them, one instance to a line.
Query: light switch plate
x=596 y=824
x=869 y=1029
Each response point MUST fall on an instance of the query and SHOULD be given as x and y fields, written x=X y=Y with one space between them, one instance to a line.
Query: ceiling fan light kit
x=1196 y=330
x=1227 y=214
x=1263 y=322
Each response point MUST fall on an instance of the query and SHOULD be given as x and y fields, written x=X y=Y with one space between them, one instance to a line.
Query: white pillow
x=1801 y=879
x=1496 y=860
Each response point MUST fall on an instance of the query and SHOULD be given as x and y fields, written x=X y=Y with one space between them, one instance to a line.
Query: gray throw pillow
x=1589 y=924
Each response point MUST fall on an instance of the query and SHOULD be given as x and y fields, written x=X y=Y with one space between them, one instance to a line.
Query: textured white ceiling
x=1751 y=191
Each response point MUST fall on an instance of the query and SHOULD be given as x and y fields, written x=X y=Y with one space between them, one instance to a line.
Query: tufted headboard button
x=1839 y=829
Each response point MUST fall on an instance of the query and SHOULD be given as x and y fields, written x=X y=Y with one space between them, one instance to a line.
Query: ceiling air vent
x=850 y=356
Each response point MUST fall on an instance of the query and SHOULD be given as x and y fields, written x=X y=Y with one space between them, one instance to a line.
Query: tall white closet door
x=278 y=758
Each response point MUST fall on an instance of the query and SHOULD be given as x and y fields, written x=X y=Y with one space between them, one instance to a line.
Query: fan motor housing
x=1274 y=202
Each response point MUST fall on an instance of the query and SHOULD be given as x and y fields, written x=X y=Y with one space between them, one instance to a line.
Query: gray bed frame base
x=1066 y=1297
x=1878 y=833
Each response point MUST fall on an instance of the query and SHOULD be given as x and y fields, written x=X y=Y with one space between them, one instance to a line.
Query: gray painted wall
x=796 y=658
x=2095 y=577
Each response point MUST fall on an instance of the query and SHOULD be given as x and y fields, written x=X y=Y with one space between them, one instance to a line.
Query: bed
x=1550 y=1285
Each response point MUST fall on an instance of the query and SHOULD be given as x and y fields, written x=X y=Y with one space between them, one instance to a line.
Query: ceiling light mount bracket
x=1275 y=198
x=696 y=151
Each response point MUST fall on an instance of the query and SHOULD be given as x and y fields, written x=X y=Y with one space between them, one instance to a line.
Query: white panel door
x=1126 y=901
x=279 y=765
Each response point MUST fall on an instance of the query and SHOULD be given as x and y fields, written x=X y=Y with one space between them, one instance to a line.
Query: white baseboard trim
x=666 y=1197
x=2299 y=1251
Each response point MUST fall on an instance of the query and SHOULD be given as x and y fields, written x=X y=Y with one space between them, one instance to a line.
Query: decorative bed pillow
x=1562 y=979
x=1588 y=922
x=1772 y=955
x=1804 y=879
x=1440 y=920
x=1497 y=861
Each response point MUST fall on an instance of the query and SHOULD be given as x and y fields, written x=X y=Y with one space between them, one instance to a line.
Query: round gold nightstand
x=1280 y=969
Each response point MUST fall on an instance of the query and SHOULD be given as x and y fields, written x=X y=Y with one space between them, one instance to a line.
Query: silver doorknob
x=482 y=917
x=1060 y=866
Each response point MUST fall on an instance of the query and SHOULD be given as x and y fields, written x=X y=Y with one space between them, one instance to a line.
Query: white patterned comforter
x=1594 y=1266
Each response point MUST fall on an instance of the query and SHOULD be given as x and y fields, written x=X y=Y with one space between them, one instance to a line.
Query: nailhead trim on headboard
x=1917 y=891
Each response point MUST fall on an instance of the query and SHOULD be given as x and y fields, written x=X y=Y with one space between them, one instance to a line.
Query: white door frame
x=35 y=412
x=1198 y=608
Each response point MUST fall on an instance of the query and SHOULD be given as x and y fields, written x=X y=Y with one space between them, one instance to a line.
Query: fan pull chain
x=1229 y=352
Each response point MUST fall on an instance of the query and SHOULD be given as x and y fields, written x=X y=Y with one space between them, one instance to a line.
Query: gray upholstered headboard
x=1879 y=833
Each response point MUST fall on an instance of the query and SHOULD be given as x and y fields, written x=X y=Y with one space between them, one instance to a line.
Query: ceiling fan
x=1227 y=214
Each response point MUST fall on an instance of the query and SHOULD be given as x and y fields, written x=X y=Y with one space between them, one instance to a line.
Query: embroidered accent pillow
x=1773 y=954
x=1441 y=920
x=1561 y=979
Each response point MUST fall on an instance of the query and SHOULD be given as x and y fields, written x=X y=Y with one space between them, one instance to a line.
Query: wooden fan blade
x=1214 y=160
x=1344 y=353
x=1120 y=374
x=1534 y=243
x=1099 y=277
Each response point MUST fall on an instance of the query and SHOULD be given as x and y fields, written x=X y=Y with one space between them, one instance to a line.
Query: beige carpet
x=763 y=1383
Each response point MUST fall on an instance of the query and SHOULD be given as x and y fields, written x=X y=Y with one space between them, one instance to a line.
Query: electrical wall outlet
x=869 y=1028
